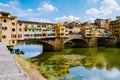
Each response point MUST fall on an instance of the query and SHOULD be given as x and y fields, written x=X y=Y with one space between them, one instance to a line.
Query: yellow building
x=91 y=30
x=8 y=28
x=115 y=26
x=61 y=30
x=106 y=24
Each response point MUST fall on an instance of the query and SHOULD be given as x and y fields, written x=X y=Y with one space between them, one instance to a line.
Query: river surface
x=29 y=49
x=77 y=63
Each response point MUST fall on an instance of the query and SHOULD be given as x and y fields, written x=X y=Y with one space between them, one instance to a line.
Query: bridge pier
x=58 y=45
x=92 y=41
x=55 y=44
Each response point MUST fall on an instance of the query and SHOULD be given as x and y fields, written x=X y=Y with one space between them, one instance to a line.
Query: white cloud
x=66 y=18
x=106 y=8
x=30 y=10
x=4 y=5
x=92 y=11
x=14 y=7
x=112 y=74
x=47 y=7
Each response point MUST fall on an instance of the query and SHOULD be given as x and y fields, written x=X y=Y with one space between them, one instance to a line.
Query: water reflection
x=81 y=73
x=30 y=50
x=82 y=63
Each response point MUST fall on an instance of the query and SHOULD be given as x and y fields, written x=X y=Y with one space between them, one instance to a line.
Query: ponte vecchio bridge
x=57 y=43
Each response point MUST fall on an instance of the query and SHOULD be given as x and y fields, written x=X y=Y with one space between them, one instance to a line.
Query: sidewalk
x=9 y=68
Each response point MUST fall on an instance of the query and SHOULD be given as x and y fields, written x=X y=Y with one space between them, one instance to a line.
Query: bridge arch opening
x=76 y=43
x=102 y=42
x=46 y=46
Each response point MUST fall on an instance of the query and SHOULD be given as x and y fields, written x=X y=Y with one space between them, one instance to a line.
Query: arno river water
x=76 y=63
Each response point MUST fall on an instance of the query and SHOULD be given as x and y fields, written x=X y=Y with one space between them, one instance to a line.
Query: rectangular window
x=13 y=29
x=53 y=30
x=13 y=36
x=13 y=23
x=13 y=42
x=62 y=29
x=4 y=20
x=62 y=34
x=43 y=26
x=44 y=34
x=19 y=35
x=4 y=28
x=20 y=24
x=3 y=36
x=38 y=26
x=20 y=29
x=27 y=35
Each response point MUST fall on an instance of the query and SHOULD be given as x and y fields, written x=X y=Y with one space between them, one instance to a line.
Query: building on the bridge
x=115 y=26
x=73 y=27
x=61 y=30
x=35 y=30
x=93 y=30
x=12 y=30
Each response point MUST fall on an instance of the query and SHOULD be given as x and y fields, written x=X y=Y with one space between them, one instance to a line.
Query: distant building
x=99 y=22
x=92 y=30
x=115 y=26
x=118 y=17
x=107 y=24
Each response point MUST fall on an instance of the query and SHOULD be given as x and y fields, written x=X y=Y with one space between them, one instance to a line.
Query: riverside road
x=9 y=68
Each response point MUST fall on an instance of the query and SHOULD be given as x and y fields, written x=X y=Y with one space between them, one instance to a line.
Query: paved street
x=9 y=68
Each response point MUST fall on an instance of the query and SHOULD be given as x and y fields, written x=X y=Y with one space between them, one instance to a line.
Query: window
x=3 y=36
x=62 y=34
x=62 y=29
x=4 y=28
x=33 y=30
x=27 y=35
x=13 y=42
x=38 y=26
x=4 y=20
x=38 y=30
x=35 y=35
x=43 y=26
x=13 y=36
x=44 y=34
x=13 y=24
x=32 y=35
x=53 y=30
x=13 y=29
x=12 y=18
x=19 y=35
x=66 y=30
x=5 y=15
x=20 y=24
x=20 y=29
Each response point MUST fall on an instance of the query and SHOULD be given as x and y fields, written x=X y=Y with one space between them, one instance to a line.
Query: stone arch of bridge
x=77 y=42
x=47 y=45
x=102 y=42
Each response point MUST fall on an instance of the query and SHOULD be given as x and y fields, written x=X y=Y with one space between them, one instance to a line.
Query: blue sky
x=61 y=10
